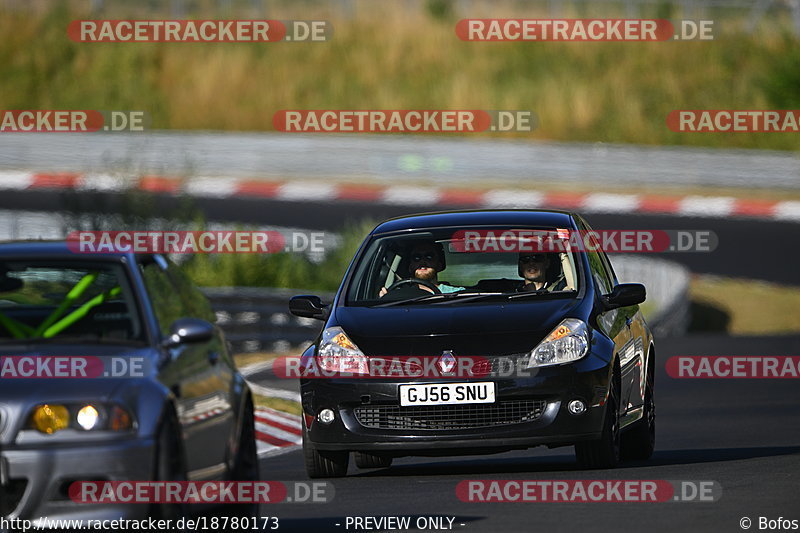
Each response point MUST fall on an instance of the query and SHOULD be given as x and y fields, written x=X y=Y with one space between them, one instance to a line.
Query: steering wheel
x=414 y=281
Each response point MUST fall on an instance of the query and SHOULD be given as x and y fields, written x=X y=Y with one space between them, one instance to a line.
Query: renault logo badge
x=447 y=362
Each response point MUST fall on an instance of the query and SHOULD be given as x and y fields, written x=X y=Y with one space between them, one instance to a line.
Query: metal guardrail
x=258 y=319
x=667 y=290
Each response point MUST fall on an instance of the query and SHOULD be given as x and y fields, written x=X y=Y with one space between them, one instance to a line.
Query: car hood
x=470 y=329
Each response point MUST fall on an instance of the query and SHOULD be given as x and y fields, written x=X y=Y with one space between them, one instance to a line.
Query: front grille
x=449 y=416
x=501 y=366
x=476 y=366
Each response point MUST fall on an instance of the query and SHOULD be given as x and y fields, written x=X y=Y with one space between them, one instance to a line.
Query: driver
x=425 y=261
x=533 y=268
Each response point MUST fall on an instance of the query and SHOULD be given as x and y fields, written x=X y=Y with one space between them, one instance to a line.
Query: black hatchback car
x=461 y=333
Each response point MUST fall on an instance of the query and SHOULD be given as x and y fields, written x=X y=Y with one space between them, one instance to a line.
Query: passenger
x=533 y=268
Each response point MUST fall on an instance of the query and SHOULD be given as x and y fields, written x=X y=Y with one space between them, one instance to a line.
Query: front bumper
x=586 y=380
x=40 y=476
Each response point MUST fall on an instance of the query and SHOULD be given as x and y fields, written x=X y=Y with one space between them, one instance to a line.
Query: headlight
x=49 y=418
x=337 y=353
x=88 y=417
x=568 y=342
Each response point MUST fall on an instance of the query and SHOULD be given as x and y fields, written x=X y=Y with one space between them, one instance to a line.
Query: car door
x=635 y=355
x=632 y=354
x=200 y=382
x=613 y=322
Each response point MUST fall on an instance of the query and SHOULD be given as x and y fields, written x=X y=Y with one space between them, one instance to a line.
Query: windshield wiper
x=446 y=298
x=520 y=295
x=427 y=297
x=473 y=296
x=462 y=297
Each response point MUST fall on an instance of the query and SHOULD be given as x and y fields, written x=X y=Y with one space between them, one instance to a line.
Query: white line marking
x=512 y=198
x=707 y=206
x=307 y=191
x=278 y=450
x=278 y=433
x=402 y=195
x=272 y=392
x=611 y=203
x=255 y=368
x=15 y=180
x=101 y=182
x=212 y=187
x=278 y=418
x=787 y=211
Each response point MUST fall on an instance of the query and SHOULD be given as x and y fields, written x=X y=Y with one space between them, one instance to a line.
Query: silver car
x=110 y=370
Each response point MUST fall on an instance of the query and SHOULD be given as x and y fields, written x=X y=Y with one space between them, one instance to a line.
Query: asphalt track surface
x=744 y=251
x=742 y=433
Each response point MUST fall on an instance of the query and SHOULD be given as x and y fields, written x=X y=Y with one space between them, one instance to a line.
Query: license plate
x=447 y=393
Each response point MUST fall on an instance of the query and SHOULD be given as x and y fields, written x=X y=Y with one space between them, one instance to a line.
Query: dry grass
x=287 y=406
x=754 y=307
x=391 y=58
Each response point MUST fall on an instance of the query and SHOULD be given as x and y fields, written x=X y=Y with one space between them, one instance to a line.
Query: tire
x=605 y=451
x=245 y=467
x=368 y=460
x=639 y=441
x=323 y=463
x=169 y=465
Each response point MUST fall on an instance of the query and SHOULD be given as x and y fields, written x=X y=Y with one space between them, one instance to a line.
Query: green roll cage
x=57 y=322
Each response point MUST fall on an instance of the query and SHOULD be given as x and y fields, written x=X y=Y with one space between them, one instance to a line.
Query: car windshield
x=47 y=301
x=458 y=265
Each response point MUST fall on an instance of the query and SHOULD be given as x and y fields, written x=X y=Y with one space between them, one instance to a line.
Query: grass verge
x=279 y=404
x=744 y=307
x=387 y=56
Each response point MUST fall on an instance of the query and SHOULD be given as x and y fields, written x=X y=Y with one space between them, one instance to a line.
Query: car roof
x=480 y=217
x=49 y=250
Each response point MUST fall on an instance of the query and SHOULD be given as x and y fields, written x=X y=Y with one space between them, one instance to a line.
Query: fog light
x=576 y=407
x=50 y=418
x=325 y=416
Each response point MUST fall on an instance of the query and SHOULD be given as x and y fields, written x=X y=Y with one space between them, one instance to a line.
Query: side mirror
x=308 y=306
x=625 y=294
x=187 y=331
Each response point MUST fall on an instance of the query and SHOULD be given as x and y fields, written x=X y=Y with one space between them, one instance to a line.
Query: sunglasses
x=429 y=256
x=533 y=258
